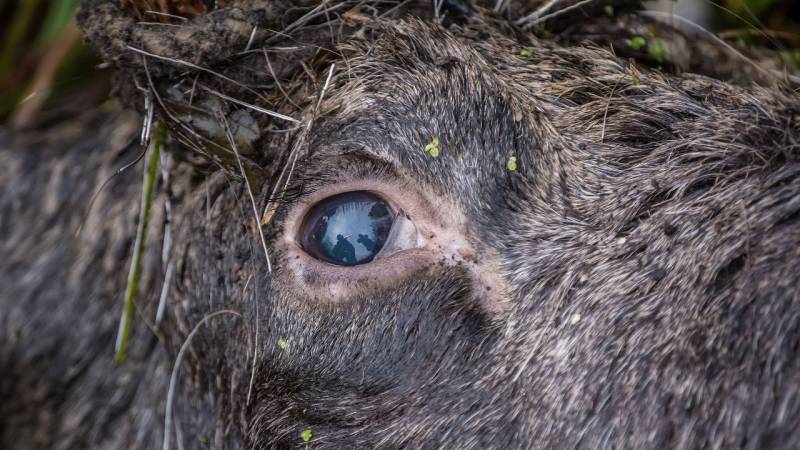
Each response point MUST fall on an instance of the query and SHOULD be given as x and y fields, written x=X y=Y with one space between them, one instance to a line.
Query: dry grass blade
x=272 y=204
x=711 y=35
x=248 y=105
x=534 y=18
x=39 y=91
x=173 y=379
x=235 y=149
x=181 y=62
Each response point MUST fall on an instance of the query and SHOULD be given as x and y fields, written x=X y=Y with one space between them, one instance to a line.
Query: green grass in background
x=42 y=57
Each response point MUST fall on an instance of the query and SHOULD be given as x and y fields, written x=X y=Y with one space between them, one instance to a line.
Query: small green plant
x=131 y=289
x=511 y=164
x=526 y=53
x=790 y=57
x=282 y=344
x=637 y=42
x=657 y=51
x=609 y=10
x=306 y=436
x=433 y=148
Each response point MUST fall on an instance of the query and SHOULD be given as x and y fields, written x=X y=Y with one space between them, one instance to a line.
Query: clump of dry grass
x=167 y=11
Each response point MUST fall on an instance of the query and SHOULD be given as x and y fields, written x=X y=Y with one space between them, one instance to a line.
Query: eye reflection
x=347 y=229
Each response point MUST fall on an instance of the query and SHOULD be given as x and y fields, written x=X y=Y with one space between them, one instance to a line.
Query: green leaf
x=637 y=42
x=282 y=344
x=609 y=10
x=306 y=435
x=512 y=164
x=433 y=148
x=526 y=53
x=657 y=51
x=58 y=15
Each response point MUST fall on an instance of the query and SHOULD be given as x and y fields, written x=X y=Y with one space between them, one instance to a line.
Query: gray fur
x=648 y=244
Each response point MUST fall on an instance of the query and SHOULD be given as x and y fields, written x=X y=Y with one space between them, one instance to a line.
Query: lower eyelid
x=438 y=241
x=334 y=281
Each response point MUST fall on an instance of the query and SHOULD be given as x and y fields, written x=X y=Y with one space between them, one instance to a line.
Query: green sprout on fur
x=657 y=51
x=526 y=53
x=637 y=42
x=609 y=10
x=433 y=148
x=512 y=164
x=306 y=436
x=282 y=344
x=148 y=187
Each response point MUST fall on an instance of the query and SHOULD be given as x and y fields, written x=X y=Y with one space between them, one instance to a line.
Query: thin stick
x=269 y=210
x=533 y=19
x=193 y=66
x=248 y=105
x=162 y=300
x=542 y=9
x=255 y=345
x=250 y=40
x=605 y=114
x=138 y=246
x=232 y=142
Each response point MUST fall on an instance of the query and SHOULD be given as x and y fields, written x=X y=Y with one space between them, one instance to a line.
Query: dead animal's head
x=412 y=226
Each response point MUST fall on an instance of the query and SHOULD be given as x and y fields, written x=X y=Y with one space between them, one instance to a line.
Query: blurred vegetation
x=43 y=61
x=774 y=24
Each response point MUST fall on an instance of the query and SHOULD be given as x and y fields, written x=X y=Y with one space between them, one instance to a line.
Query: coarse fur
x=647 y=248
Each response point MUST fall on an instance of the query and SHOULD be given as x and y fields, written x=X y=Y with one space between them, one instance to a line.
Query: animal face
x=465 y=236
x=594 y=292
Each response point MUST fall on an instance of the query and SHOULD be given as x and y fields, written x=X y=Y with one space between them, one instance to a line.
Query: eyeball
x=347 y=229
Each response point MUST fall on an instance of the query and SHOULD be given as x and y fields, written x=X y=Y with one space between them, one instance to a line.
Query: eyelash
x=306 y=183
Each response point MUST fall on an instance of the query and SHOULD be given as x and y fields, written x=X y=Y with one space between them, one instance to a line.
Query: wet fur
x=649 y=241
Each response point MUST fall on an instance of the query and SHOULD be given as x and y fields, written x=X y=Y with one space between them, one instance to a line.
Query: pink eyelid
x=441 y=241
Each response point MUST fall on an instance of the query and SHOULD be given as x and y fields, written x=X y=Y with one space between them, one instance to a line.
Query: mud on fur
x=631 y=283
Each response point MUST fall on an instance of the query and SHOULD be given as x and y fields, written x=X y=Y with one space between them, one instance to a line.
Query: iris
x=347 y=229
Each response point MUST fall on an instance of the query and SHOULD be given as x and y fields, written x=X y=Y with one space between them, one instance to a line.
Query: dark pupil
x=346 y=229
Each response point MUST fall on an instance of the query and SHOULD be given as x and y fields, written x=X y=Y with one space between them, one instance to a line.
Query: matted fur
x=648 y=242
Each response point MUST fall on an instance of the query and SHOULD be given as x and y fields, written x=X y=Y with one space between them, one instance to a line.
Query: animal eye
x=354 y=228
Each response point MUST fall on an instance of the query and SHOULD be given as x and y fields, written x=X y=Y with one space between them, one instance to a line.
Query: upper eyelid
x=307 y=183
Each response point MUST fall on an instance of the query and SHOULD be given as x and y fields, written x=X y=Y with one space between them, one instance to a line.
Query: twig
x=534 y=18
x=232 y=142
x=248 y=105
x=269 y=210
